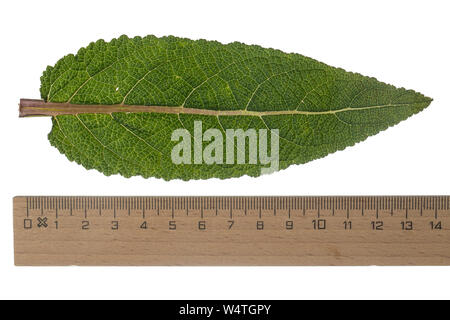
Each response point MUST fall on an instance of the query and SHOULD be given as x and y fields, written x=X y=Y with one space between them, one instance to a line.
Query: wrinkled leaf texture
x=321 y=109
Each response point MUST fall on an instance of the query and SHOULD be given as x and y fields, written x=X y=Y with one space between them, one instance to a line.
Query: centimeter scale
x=272 y=231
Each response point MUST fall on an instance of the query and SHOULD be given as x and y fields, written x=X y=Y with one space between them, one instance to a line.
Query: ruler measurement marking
x=274 y=206
x=259 y=212
x=57 y=204
x=144 y=207
x=377 y=209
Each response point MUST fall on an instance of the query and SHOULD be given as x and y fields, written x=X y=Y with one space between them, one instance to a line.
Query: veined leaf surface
x=317 y=109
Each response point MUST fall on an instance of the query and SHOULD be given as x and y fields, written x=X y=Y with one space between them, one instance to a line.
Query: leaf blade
x=318 y=109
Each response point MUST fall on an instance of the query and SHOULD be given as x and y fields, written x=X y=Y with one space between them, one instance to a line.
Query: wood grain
x=269 y=231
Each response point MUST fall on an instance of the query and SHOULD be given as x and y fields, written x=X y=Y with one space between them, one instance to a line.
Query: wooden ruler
x=137 y=231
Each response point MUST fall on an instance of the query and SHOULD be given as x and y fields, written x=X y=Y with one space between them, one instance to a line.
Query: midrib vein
x=39 y=107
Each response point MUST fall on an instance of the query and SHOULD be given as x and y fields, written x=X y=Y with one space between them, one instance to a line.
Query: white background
x=405 y=43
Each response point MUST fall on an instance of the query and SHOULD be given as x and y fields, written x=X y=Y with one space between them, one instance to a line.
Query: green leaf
x=317 y=109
